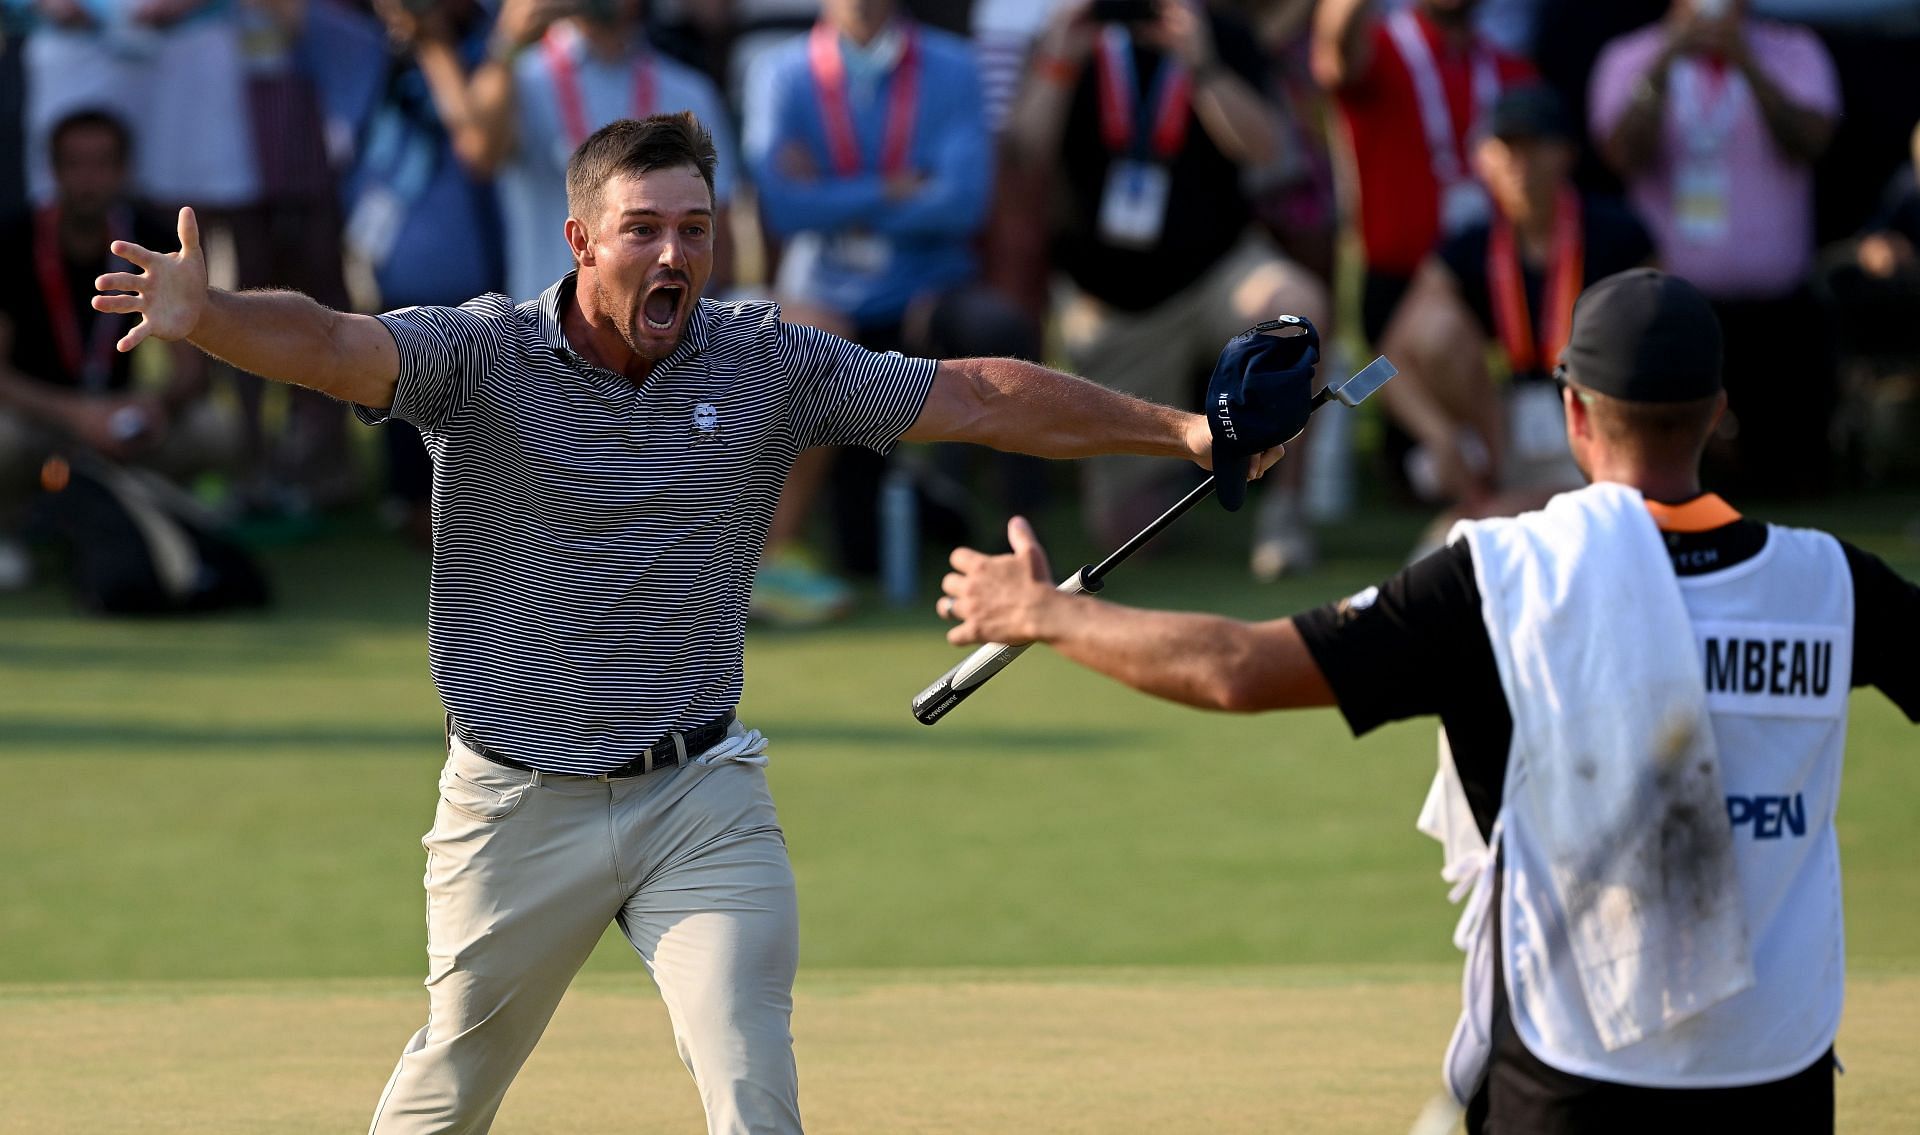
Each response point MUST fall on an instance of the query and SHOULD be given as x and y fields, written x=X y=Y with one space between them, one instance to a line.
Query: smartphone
x=1124 y=11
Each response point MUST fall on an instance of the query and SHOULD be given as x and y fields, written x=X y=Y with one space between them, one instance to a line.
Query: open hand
x=169 y=293
x=999 y=598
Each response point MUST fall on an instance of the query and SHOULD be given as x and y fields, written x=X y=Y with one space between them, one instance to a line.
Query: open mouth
x=662 y=306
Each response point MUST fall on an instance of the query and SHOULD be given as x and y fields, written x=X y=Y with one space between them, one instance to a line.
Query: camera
x=1124 y=11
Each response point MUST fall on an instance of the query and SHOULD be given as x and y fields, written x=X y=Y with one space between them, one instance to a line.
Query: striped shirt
x=595 y=539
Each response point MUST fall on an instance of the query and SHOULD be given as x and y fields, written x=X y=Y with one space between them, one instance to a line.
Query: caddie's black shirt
x=1416 y=646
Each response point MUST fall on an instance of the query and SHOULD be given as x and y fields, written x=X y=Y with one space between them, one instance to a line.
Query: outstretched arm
x=1022 y=407
x=1195 y=659
x=283 y=336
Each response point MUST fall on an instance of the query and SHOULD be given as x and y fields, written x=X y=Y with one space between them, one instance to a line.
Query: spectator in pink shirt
x=1713 y=120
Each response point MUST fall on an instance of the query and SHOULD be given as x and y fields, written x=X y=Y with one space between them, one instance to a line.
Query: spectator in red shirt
x=1411 y=87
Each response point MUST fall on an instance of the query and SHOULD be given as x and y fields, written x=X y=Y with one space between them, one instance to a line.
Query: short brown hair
x=635 y=146
x=1662 y=431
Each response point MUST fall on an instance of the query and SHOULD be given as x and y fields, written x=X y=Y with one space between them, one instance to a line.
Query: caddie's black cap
x=1644 y=336
x=1531 y=110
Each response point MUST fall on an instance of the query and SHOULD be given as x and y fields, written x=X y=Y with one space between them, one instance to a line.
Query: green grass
x=241 y=797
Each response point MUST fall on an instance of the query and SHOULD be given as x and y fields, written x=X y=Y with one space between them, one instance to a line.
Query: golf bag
x=138 y=545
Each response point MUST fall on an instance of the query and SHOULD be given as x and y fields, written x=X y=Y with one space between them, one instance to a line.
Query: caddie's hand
x=169 y=293
x=999 y=598
x=1260 y=396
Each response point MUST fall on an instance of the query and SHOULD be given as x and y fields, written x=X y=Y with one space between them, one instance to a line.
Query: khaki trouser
x=524 y=872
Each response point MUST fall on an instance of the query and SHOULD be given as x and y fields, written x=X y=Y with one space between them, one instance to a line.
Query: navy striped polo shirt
x=595 y=539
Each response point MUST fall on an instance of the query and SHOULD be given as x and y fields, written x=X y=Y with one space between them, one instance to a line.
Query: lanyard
x=566 y=84
x=836 y=113
x=1123 y=125
x=92 y=366
x=1445 y=142
x=1709 y=118
x=1566 y=265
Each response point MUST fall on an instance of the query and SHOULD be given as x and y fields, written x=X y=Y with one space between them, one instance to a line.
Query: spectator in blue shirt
x=870 y=151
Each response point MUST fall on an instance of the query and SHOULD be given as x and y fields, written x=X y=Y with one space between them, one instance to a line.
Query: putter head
x=1371 y=377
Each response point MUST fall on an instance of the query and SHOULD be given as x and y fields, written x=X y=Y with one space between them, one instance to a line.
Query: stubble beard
x=623 y=322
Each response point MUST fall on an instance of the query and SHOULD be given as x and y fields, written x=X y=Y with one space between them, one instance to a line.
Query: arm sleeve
x=444 y=351
x=1886 y=622
x=1406 y=648
x=844 y=394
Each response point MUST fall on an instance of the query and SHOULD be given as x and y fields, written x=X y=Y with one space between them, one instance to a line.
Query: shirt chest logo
x=706 y=423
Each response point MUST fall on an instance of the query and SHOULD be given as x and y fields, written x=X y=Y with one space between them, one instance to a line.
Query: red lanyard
x=1173 y=88
x=1566 y=263
x=830 y=81
x=91 y=367
x=566 y=85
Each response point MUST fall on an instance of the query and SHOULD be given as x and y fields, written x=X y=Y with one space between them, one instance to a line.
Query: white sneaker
x=16 y=567
x=1282 y=542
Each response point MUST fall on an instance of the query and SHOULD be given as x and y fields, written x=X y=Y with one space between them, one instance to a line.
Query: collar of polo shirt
x=693 y=338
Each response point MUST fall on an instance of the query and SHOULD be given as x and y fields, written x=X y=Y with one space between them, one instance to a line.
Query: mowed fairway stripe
x=1189 y=1050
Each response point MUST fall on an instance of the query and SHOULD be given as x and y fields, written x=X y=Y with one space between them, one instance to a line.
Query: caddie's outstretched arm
x=1195 y=659
x=279 y=335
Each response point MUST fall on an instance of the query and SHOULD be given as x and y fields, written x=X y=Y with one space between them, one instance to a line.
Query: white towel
x=1613 y=818
x=1467 y=863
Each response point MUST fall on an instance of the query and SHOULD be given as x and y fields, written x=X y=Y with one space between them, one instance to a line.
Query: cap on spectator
x=1531 y=110
x=1643 y=336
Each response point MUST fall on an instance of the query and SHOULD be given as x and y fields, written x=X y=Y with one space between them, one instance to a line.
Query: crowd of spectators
x=1119 y=185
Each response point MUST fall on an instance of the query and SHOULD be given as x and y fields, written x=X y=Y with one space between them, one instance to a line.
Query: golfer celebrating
x=606 y=461
x=1644 y=706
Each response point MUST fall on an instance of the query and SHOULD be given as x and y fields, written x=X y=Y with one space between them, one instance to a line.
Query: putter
x=973 y=671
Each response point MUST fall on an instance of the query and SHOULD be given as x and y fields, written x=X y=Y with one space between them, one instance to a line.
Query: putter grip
x=958 y=684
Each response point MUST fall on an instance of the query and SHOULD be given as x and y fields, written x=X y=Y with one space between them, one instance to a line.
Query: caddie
x=606 y=462
x=1643 y=702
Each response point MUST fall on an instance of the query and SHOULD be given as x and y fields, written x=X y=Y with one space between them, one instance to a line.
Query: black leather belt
x=671 y=751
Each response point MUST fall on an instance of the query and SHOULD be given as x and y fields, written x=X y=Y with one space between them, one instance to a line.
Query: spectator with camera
x=554 y=72
x=420 y=228
x=1413 y=88
x=1152 y=111
x=1714 y=120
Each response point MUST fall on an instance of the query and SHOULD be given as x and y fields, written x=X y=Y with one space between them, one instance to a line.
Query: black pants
x=1523 y=1095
